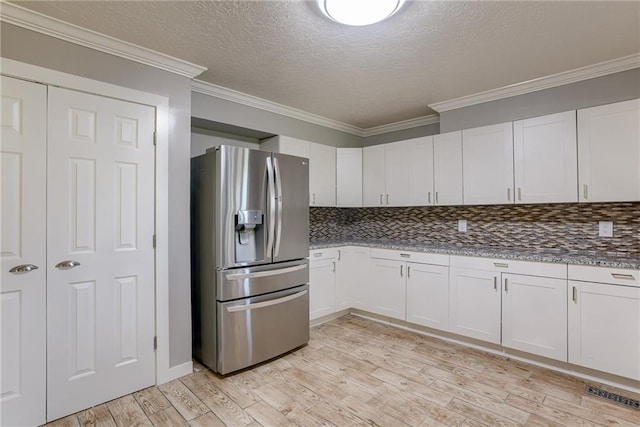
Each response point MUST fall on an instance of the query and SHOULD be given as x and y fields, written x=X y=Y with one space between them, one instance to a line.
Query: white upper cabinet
x=349 y=177
x=420 y=171
x=373 y=176
x=447 y=169
x=396 y=174
x=487 y=161
x=286 y=145
x=322 y=175
x=609 y=152
x=545 y=157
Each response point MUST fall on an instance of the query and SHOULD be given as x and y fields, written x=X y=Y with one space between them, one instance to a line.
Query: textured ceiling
x=430 y=51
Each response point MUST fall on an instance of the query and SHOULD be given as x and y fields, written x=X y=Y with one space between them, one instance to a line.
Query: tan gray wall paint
x=37 y=49
x=588 y=93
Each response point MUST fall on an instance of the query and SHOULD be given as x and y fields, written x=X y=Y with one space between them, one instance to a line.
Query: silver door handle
x=272 y=205
x=333 y=266
x=506 y=286
x=615 y=276
x=429 y=197
x=575 y=294
x=276 y=167
x=314 y=198
x=401 y=270
x=508 y=194
x=585 y=191
x=339 y=255
x=437 y=197
x=266 y=273
x=381 y=199
x=265 y=303
x=67 y=265
x=387 y=199
x=409 y=271
x=24 y=268
x=495 y=283
x=519 y=194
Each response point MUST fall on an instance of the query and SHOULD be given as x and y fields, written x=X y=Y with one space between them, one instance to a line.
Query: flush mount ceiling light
x=359 y=12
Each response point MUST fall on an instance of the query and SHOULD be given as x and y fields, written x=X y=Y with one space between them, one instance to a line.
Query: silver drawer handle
x=24 y=268
x=623 y=276
x=405 y=255
x=317 y=254
x=266 y=273
x=265 y=303
x=501 y=264
x=67 y=265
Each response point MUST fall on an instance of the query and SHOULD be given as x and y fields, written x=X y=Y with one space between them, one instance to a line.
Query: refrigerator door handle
x=276 y=250
x=272 y=206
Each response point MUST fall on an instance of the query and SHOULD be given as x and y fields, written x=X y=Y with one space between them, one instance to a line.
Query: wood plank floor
x=358 y=372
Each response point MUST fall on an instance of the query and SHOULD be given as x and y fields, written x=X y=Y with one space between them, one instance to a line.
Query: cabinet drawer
x=615 y=276
x=420 y=257
x=529 y=268
x=318 y=254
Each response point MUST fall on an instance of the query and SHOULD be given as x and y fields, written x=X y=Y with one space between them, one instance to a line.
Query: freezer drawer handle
x=265 y=303
x=255 y=275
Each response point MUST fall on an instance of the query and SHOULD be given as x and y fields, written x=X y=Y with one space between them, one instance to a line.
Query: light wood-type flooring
x=359 y=372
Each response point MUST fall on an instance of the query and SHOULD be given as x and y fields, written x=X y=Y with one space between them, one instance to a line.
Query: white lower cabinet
x=387 y=288
x=428 y=295
x=474 y=304
x=604 y=324
x=352 y=278
x=534 y=315
x=322 y=283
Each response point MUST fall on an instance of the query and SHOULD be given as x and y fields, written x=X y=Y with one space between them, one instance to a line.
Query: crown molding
x=402 y=125
x=34 y=21
x=566 y=77
x=216 y=91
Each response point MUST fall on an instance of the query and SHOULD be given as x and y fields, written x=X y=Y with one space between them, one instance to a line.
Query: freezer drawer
x=252 y=281
x=253 y=330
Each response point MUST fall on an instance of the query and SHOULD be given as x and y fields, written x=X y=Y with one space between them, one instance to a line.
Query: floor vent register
x=626 y=401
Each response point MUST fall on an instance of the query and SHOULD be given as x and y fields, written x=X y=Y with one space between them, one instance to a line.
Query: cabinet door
x=322 y=175
x=23 y=250
x=286 y=145
x=351 y=277
x=487 y=162
x=604 y=327
x=534 y=315
x=447 y=168
x=373 y=176
x=428 y=295
x=349 y=177
x=396 y=174
x=609 y=152
x=420 y=160
x=322 y=288
x=545 y=157
x=387 y=288
x=474 y=304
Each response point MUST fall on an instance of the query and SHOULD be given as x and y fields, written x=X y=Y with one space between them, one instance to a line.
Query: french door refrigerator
x=249 y=243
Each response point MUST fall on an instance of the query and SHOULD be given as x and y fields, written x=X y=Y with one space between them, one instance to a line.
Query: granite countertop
x=541 y=255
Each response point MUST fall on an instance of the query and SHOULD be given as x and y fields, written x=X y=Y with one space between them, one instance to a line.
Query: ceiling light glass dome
x=359 y=12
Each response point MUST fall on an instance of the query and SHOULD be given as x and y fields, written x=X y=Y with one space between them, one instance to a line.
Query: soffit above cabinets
x=429 y=52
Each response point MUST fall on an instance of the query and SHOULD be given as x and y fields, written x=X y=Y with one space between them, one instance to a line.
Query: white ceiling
x=430 y=51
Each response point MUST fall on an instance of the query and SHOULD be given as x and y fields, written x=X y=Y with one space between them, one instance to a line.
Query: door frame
x=8 y=67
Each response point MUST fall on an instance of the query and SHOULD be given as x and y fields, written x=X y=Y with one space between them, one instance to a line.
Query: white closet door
x=23 y=294
x=100 y=318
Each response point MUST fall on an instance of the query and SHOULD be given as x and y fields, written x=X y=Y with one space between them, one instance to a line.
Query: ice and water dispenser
x=250 y=235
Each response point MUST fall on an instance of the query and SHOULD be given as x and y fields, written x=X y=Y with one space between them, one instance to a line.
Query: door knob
x=67 y=265
x=24 y=268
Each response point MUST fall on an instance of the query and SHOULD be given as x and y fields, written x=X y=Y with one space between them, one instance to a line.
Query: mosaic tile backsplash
x=565 y=227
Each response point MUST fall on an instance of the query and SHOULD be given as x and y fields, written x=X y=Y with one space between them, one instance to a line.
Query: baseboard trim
x=174 y=372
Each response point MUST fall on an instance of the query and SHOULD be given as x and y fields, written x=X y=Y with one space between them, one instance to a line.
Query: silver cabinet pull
x=618 y=276
x=333 y=267
x=436 y=197
x=381 y=199
x=409 y=271
x=519 y=194
x=501 y=264
x=339 y=254
x=429 y=197
x=405 y=255
x=575 y=294
x=495 y=283
x=506 y=286
x=401 y=270
x=317 y=254
x=387 y=199
x=67 y=265
x=24 y=268
x=314 y=198
x=585 y=191
x=508 y=194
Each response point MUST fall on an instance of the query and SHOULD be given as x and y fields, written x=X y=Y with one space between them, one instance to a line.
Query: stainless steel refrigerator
x=249 y=243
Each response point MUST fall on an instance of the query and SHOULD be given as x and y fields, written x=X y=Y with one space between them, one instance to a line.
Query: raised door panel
x=349 y=177
x=546 y=162
x=396 y=174
x=388 y=288
x=428 y=295
x=604 y=327
x=487 y=162
x=322 y=175
x=322 y=288
x=447 y=168
x=609 y=152
x=100 y=319
x=474 y=304
x=373 y=176
x=23 y=243
x=420 y=159
x=534 y=315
